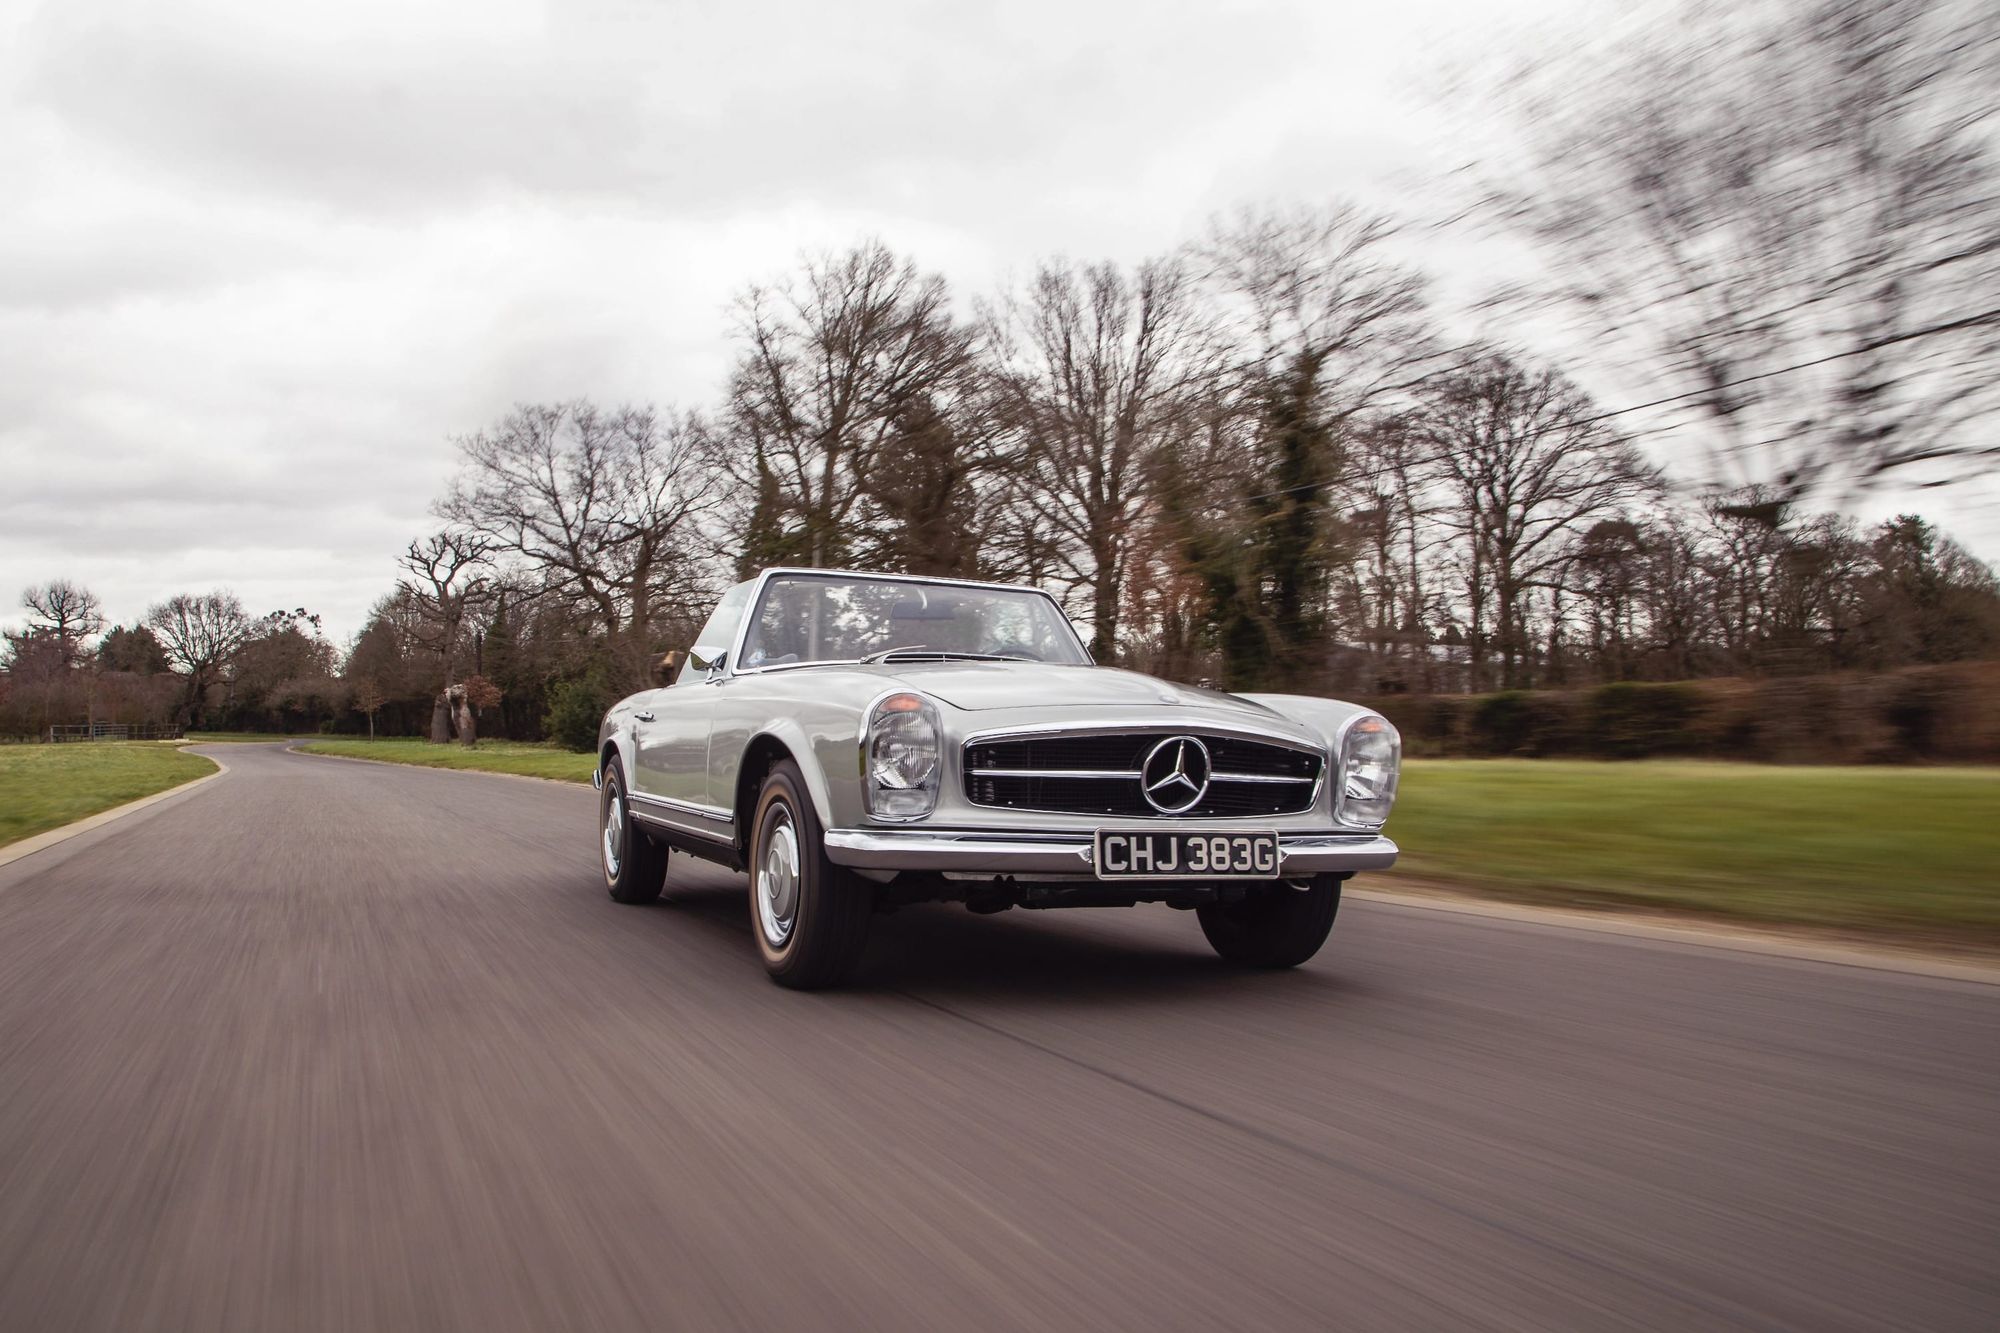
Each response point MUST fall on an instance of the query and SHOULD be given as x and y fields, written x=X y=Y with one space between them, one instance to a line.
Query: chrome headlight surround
x=1371 y=761
x=902 y=758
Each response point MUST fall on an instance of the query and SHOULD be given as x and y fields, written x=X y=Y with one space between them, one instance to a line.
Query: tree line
x=1268 y=459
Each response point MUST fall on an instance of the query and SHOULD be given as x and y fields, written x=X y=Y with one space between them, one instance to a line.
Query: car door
x=672 y=725
x=670 y=729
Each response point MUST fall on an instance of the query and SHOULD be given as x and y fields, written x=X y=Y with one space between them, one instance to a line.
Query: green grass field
x=535 y=761
x=235 y=737
x=1912 y=851
x=46 y=786
x=1900 y=851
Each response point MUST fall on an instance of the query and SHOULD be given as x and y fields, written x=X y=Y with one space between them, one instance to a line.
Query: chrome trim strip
x=1171 y=726
x=720 y=814
x=743 y=626
x=1260 y=777
x=1031 y=854
x=716 y=836
x=1113 y=773
x=1078 y=773
x=764 y=578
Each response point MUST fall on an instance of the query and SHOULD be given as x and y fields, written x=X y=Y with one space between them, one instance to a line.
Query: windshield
x=844 y=618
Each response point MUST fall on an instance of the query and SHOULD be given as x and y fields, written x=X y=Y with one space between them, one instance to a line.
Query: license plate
x=1152 y=854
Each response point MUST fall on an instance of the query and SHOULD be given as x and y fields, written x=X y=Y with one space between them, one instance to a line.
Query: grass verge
x=1909 y=852
x=43 y=787
x=1902 y=851
x=529 y=760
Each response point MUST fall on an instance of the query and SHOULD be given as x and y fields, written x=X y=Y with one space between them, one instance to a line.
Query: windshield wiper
x=942 y=654
x=888 y=653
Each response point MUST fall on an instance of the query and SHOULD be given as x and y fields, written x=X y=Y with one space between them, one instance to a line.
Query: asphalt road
x=327 y=1045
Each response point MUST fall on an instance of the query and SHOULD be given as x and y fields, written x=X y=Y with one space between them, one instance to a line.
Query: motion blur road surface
x=330 y=1045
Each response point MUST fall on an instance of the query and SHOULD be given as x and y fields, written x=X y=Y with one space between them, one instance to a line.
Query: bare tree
x=1329 y=331
x=1785 y=213
x=200 y=635
x=935 y=491
x=448 y=577
x=1526 y=471
x=61 y=616
x=1096 y=373
x=368 y=699
x=834 y=364
x=67 y=612
x=603 y=507
x=1389 y=598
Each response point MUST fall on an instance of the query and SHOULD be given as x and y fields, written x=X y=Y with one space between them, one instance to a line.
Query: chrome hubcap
x=614 y=834
x=777 y=890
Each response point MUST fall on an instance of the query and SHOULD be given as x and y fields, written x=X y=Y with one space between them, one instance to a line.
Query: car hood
x=981 y=686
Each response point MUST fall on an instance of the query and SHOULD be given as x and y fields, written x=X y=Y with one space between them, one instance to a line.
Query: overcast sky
x=263 y=260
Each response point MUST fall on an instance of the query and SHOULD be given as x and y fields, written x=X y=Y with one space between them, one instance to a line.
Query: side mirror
x=717 y=665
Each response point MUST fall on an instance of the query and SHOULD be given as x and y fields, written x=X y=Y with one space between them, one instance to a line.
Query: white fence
x=114 y=731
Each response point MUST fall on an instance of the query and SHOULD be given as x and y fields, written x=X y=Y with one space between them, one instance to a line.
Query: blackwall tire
x=808 y=916
x=1276 y=926
x=634 y=866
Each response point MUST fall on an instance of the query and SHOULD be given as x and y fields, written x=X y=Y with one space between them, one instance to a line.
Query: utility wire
x=1875 y=346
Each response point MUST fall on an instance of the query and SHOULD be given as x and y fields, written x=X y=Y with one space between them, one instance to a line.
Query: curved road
x=329 y=1045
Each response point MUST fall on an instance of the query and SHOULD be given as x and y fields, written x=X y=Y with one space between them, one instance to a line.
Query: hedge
x=1943 y=714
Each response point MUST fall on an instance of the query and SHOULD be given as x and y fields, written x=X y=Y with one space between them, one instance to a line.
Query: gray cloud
x=263 y=262
x=689 y=108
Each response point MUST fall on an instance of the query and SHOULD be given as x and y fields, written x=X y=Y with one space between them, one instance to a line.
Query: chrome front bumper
x=1069 y=854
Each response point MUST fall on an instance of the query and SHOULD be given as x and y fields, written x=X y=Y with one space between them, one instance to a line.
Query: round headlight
x=902 y=758
x=1371 y=758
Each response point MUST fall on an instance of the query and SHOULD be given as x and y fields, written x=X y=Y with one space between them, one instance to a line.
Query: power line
x=1874 y=346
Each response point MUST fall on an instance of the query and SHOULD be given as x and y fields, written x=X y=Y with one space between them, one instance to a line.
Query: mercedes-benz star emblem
x=1175 y=775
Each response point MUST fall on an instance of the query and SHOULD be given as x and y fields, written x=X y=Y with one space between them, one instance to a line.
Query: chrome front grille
x=1101 y=774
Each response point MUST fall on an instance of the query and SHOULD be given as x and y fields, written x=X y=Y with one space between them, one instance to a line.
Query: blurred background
x=1568 y=384
x=1603 y=392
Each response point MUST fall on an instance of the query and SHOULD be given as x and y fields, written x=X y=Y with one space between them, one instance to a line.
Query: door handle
x=643 y=717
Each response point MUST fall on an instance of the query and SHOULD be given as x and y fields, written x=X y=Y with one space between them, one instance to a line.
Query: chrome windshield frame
x=756 y=607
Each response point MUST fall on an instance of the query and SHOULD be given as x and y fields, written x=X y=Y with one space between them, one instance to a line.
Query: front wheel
x=810 y=917
x=635 y=867
x=1275 y=926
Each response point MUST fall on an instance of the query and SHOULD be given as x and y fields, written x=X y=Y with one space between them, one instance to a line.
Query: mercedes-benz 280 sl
x=858 y=742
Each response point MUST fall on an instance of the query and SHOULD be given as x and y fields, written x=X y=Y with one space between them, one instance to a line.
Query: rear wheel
x=635 y=867
x=809 y=916
x=1276 y=926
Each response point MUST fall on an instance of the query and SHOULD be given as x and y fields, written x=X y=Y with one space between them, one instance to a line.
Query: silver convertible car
x=859 y=742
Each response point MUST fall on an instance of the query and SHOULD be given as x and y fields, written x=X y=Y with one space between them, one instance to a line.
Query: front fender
x=816 y=752
x=614 y=735
x=1328 y=717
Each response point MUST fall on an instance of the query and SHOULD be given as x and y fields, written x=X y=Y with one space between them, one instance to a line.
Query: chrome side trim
x=718 y=837
x=1033 y=854
x=720 y=814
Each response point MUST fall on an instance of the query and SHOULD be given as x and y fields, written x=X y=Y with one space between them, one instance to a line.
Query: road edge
x=1773 y=943
x=293 y=748
x=41 y=842
x=1707 y=935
